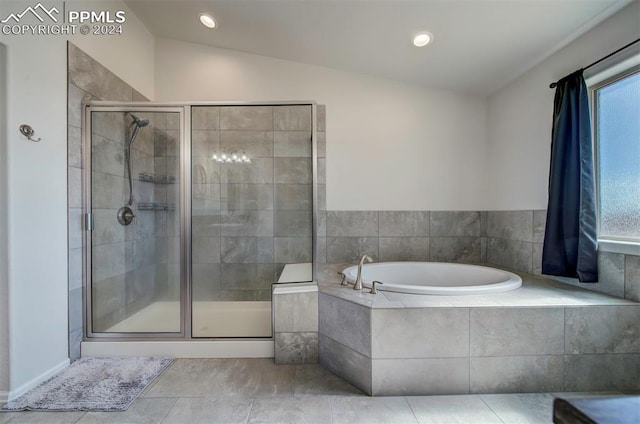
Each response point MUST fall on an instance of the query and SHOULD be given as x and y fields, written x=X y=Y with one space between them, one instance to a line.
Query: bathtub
x=435 y=278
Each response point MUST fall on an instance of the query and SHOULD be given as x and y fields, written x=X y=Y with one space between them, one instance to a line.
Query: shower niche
x=192 y=212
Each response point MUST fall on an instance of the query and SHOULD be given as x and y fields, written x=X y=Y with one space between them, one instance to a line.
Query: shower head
x=139 y=122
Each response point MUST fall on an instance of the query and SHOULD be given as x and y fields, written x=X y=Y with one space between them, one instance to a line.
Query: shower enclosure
x=192 y=211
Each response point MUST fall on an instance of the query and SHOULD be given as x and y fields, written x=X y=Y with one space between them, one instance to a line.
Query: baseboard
x=35 y=382
x=182 y=349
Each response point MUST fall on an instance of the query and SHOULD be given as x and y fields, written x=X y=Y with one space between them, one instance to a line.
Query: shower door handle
x=88 y=222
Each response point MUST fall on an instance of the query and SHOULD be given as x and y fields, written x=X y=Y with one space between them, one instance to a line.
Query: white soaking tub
x=435 y=278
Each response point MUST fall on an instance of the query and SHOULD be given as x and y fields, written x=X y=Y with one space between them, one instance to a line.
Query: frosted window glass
x=618 y=132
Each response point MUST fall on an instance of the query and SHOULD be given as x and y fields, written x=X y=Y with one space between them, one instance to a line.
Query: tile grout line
x=169 y=410
x=415 y=417
x=491 y=409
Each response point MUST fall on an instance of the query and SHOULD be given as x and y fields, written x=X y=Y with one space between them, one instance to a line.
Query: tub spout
x=358 y=284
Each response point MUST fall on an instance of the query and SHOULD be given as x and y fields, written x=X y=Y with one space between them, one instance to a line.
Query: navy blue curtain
x=570 y=240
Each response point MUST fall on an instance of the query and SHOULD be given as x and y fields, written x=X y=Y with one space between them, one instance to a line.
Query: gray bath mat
x=93 y=384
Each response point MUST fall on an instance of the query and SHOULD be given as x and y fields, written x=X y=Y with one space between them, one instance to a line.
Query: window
x=616 y=116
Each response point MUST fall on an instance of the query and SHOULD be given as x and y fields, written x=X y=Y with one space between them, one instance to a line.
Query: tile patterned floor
x=193 y=391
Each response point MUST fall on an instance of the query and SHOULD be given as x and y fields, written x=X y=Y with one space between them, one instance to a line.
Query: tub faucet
x=358 y=284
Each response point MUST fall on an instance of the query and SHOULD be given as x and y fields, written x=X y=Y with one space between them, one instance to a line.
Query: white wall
x=520 y=115
x=37 y=188
x=390 y=145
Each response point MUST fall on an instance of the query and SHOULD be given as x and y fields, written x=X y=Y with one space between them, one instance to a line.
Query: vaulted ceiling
x=479 y=45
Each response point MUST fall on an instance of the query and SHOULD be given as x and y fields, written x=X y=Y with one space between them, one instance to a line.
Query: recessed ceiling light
x=422 y=39
x=207 y=20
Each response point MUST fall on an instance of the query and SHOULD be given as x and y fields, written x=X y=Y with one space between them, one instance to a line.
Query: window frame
x=605 y=78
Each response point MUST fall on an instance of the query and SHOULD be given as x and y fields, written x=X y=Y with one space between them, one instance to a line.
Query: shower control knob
x=125 y=215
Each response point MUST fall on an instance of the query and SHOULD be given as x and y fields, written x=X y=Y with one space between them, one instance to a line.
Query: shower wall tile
x=250 y=196
x=204 y=143
x=74 y=146
x=247 y=223
x=293 y=223
x=75 y=268
x=322 y=144
x=294 y=197
x=92 y=77
x=76 y=227
x=75 y=338
x=322 y=223
x=517 y=331
x=205 y=250
x=403 y=224
x=455 y=224
x=205 y=224
x=74 y=188
x=296 y=348
x=114 y=259
x=612 y=372
x=293 y=249
x=539 y=223
x=292 y=144
x=204 y=118
x=454 y=249
x=510 y=225
x=632 y=278
x=143 y=253
x=420 y=333
x=404 y=248
x=259 y=171
x=75 y=308
x=107 y=156
x=108 y=190
x=352 y=223
x=258 y=118
x=247 y=276
x=510 y=253
x=252 y=143
x=517 y=374
x=292 y=171
x=424 y=376
x=602 y=329
x=351 y=249
x=106 y=229
x=321 y=250
x=322 y=171
x=206 y=281
x=141 y=286
x=292 y=118
x=321 y=117
x=247 y=250
x=322 y=197
x=108 y=295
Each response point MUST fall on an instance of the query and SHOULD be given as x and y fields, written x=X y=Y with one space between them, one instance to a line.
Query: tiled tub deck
x=543 y=337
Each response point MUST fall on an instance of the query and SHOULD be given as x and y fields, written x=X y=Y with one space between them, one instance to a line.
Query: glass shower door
x=135 y=255
x=251 y=212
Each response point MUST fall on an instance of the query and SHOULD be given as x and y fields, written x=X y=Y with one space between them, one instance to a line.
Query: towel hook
x=28 y=132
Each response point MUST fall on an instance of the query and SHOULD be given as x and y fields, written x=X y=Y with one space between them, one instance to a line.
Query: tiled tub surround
x=295 y=323
x=545 y=336
x=512 y=239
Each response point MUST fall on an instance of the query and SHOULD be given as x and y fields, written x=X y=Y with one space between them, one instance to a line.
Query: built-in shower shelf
x=156 y=207
x=146 y=177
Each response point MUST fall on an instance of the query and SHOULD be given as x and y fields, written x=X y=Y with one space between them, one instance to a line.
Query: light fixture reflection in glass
x=231 y=158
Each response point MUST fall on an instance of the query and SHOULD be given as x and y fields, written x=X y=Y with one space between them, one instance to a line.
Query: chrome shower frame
x=184 y=109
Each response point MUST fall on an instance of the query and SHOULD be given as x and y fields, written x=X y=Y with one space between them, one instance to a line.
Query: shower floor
x=209 y=319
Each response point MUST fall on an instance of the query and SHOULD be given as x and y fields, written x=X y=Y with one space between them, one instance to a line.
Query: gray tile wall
x=295 y=327
x=88 y=80
x=512 y=239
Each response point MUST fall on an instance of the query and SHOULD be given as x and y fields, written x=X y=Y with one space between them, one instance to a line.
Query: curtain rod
x=554 y=84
